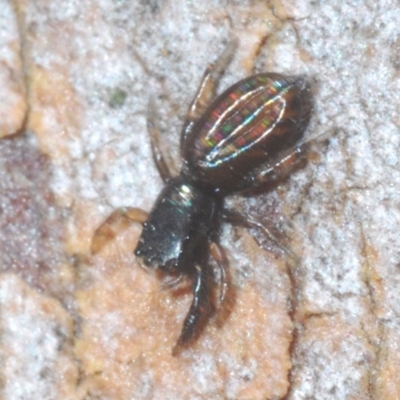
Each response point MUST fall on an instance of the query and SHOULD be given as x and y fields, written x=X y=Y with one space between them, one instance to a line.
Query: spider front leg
x=202 y=305
x=116 y=223
x=206 y=91
x=200 y=309
x=218 y=254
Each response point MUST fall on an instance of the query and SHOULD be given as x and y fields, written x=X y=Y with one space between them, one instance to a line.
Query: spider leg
x=280 y=167
x=172 y=283
x=238 y=219
x=291 y=158
x=218 y=254
x=206 y=90
x=165 y=168
x=199 y=310
x=118 y=221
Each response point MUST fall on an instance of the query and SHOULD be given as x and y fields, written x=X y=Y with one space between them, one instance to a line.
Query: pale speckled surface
x=37 y=359
x=12 y=96
x=90 y=70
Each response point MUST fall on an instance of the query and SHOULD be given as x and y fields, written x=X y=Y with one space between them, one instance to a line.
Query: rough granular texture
x=77 y=77
x=31 y=224
x=13 y=93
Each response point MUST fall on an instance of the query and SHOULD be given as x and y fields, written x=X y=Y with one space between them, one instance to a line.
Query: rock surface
x=76 y=78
